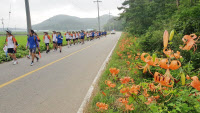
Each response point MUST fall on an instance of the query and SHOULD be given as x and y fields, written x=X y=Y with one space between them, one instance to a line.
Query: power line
x=98 y=14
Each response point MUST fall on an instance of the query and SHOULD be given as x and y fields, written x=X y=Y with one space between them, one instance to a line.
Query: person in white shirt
x=88 y=35
x=47 y=40
x=68 y=39
x=54 y=35
x=11 y=44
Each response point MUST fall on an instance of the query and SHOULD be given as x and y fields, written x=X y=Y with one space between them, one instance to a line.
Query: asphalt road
x=57 y=83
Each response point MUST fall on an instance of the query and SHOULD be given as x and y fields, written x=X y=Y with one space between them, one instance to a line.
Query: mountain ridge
x=66 y=22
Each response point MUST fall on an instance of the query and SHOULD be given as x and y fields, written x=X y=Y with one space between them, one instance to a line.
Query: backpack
x=38 y=39
x=35 y=41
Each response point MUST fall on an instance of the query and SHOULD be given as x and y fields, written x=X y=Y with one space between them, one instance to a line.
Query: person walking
x=88 y=35
x=38 y=43
x=33 y=42
x=82 y=34
x=46 y=40
x=68 y=39
x=60 y=41
x=11 y=44
x=54 y=35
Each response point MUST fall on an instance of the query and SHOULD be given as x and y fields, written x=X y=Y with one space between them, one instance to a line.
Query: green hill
x=65 y=22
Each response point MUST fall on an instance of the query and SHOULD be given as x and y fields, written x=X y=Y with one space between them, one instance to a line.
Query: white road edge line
x=90 y=91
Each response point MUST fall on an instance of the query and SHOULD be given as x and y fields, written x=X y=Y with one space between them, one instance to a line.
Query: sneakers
x=37 y=59
x=15 y=62
x=47 y=51
x=60 y=51
x=28 y=56
x=31 y=63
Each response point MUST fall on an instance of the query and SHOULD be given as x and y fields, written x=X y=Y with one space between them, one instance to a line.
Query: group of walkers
x=33 y=42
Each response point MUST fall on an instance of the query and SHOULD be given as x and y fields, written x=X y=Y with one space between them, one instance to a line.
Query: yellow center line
x=20 y=77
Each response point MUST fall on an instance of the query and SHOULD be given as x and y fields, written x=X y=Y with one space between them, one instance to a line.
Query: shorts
x=47 y=44
x=82 y=37
x=88 y=37
x=11 y=50
x=54 y=42
x=59 y=44
x=68 y=39
x=38 y=45
x=74 y=39
x=33 y=50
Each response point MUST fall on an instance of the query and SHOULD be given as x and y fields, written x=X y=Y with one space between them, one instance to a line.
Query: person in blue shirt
x=82 y=36
x=32 y=42
x=93 y=35
x=105 y=33
x=99 y=34
x=59 y=41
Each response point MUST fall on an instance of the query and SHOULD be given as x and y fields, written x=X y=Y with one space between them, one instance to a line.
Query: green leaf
x=121 y=86
x=131 y=99
x=181 y=59
x=183 y=79
x=171 y=35
x=141 y=97
x=154 y=57
x=171 y=104
x=170 y=43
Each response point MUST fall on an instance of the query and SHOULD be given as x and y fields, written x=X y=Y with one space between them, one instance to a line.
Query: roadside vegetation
x=155 y=67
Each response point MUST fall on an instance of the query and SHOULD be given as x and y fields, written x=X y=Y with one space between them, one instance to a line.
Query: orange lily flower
x=135 y=89
x=152 y=87
x=128 y=63
x=190 y=42
x=129 y=107
x=150 y=100
x=149 y=62
x=110 y=84
x=129 y=56
x=164 y=63
x=104 y=93
x=168 y=52
x=177 y=55
x=125 y=80
x=114 y=71
x=165 y=81
x=123 y=100
x=124 y=90
x=195 y=83
x=145 y=93
x=188 y=77
x=102 y=106
x=157 y=97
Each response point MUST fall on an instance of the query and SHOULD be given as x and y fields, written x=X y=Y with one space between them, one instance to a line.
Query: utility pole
x=98 y=14
x=109 y=19
x=2 y=23
x=28 y=16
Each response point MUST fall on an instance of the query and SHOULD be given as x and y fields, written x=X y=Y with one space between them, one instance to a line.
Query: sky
x=44 y=9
